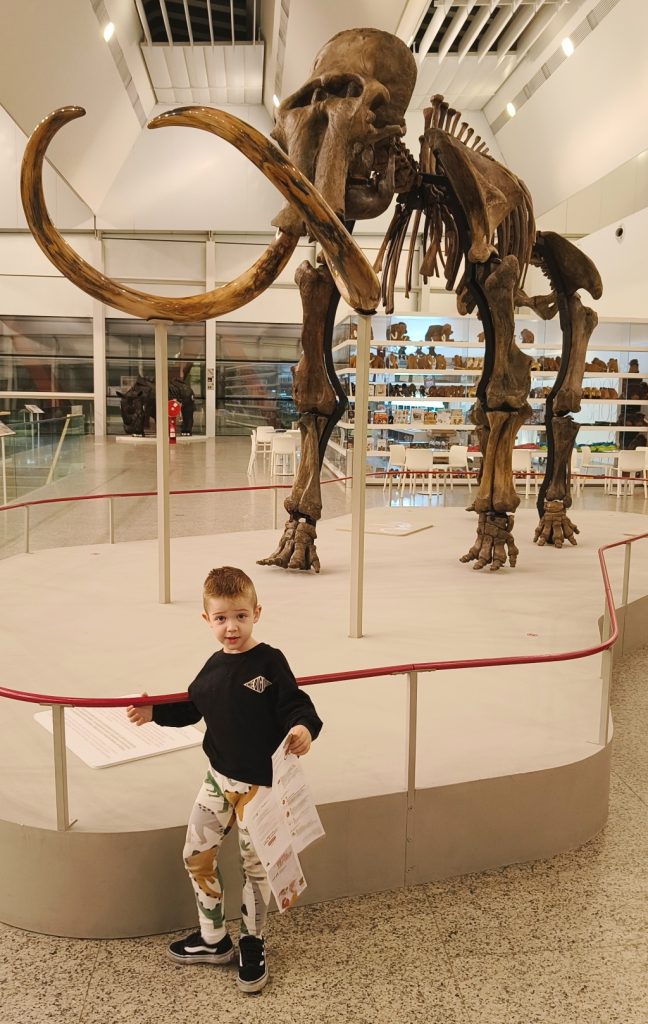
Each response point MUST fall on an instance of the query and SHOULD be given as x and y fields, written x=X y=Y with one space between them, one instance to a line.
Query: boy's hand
x=298 y=741
x=141 y=714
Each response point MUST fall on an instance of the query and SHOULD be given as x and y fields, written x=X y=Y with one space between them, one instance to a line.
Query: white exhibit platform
x=508 y=767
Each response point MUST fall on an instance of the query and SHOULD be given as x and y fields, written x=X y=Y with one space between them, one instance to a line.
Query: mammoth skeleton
x=340 y=158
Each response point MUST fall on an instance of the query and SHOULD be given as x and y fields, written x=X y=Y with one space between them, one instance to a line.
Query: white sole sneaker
x=253 y=986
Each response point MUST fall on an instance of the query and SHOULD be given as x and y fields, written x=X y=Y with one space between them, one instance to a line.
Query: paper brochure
x=282 y=821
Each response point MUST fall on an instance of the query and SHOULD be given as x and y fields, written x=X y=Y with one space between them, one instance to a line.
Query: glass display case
x=130 y=353
x=254 y=376
x=47 y=360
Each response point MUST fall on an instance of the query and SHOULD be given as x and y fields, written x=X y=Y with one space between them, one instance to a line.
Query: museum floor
x=555 y=941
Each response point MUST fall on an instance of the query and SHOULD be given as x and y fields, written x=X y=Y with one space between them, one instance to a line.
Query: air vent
x=191 y=22
x=466 y=31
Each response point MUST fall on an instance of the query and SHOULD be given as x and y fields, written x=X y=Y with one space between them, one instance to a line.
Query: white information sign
x=282 y=821
x=103 y=736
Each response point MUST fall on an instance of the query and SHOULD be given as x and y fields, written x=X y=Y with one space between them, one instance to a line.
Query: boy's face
x=231 y=620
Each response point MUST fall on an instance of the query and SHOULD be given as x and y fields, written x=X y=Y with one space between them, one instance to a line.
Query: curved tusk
x=187 y=309
x=353 y=274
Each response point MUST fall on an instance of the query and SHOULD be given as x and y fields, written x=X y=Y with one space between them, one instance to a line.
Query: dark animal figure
x=138 y=405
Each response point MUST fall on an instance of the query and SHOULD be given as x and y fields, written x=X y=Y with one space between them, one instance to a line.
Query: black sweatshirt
x=249 y=701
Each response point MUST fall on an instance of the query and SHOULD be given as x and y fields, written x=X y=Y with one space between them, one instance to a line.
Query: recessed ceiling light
x=108 y=31
x=276 y=100
x=567 y=46
x=510 y=109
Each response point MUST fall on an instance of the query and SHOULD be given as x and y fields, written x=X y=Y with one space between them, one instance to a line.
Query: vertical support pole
x=57 y=453
x=359 y=472
x=60 y=768
x=162 y=447
x=274 y=508
x=210 y=344
x=26 y=529
x=606 y=683
x=4 y=473
x=99 y=360
x=625 y=590
x=412 y=705
x=111 y=521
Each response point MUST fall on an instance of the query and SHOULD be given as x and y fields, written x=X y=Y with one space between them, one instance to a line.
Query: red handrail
x=432 y=666
x=385 y=670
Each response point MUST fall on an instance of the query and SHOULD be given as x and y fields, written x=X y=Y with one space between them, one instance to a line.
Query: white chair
x=576 y=467
x=283 y=457
x=522 y=465
x=395 y=466
x=457 y=467
x=264 y=437
x=419 y=466
x=260 y=442
x=253 y=451
x=634 y=464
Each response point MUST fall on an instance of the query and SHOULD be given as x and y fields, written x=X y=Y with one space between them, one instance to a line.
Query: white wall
x=622 y=266
x=589 y=117
x=65 y=207
x=181 y=179
x=31 y=286
x=54 y=55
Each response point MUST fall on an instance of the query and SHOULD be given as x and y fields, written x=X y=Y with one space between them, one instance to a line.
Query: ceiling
x=205 y=50
x=480 y=54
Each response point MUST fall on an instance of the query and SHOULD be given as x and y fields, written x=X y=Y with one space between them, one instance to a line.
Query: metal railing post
x=410 y=820
x=111 y=522
x=60 y=768
x=274 y=508
x=26 y=529
x=624 y=591
x=606 y=682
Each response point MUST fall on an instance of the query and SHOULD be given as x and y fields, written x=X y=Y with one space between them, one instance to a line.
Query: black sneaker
x=253 y=972
x=194 y=950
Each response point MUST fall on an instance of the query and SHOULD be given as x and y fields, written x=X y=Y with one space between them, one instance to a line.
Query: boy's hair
x=227 y=581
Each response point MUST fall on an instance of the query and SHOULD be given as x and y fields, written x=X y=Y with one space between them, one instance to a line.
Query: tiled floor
x=119 y=468
x=562 y=941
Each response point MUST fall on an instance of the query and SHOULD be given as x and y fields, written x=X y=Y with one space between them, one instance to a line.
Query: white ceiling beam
x=496 y=27
x=188 y=20
x=454 y=28
x=410 y=20
x=165 y=19
x=431 y=31
x=144 y=21
x=515 y=29
x=209 y=19
x=232 y=22
x=545 y=15
x=477 y=24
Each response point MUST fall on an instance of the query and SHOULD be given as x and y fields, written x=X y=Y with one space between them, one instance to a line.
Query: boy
x=250 y=701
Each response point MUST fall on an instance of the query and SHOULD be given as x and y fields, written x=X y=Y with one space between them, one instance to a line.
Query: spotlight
x=276 y=100
x=567 y=46
x=510 y=109
x=108 y=31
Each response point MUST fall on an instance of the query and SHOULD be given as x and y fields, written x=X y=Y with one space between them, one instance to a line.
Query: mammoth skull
x=340 y=127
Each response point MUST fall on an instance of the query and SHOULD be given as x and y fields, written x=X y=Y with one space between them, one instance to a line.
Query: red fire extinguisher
x=174 y=412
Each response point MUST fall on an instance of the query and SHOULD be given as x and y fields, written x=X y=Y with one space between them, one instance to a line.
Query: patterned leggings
x=219 y=802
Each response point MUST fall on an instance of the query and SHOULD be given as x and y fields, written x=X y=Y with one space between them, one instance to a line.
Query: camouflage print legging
x=219 y=802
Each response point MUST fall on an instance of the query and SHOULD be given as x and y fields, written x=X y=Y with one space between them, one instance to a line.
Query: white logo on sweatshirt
x=258 y=684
